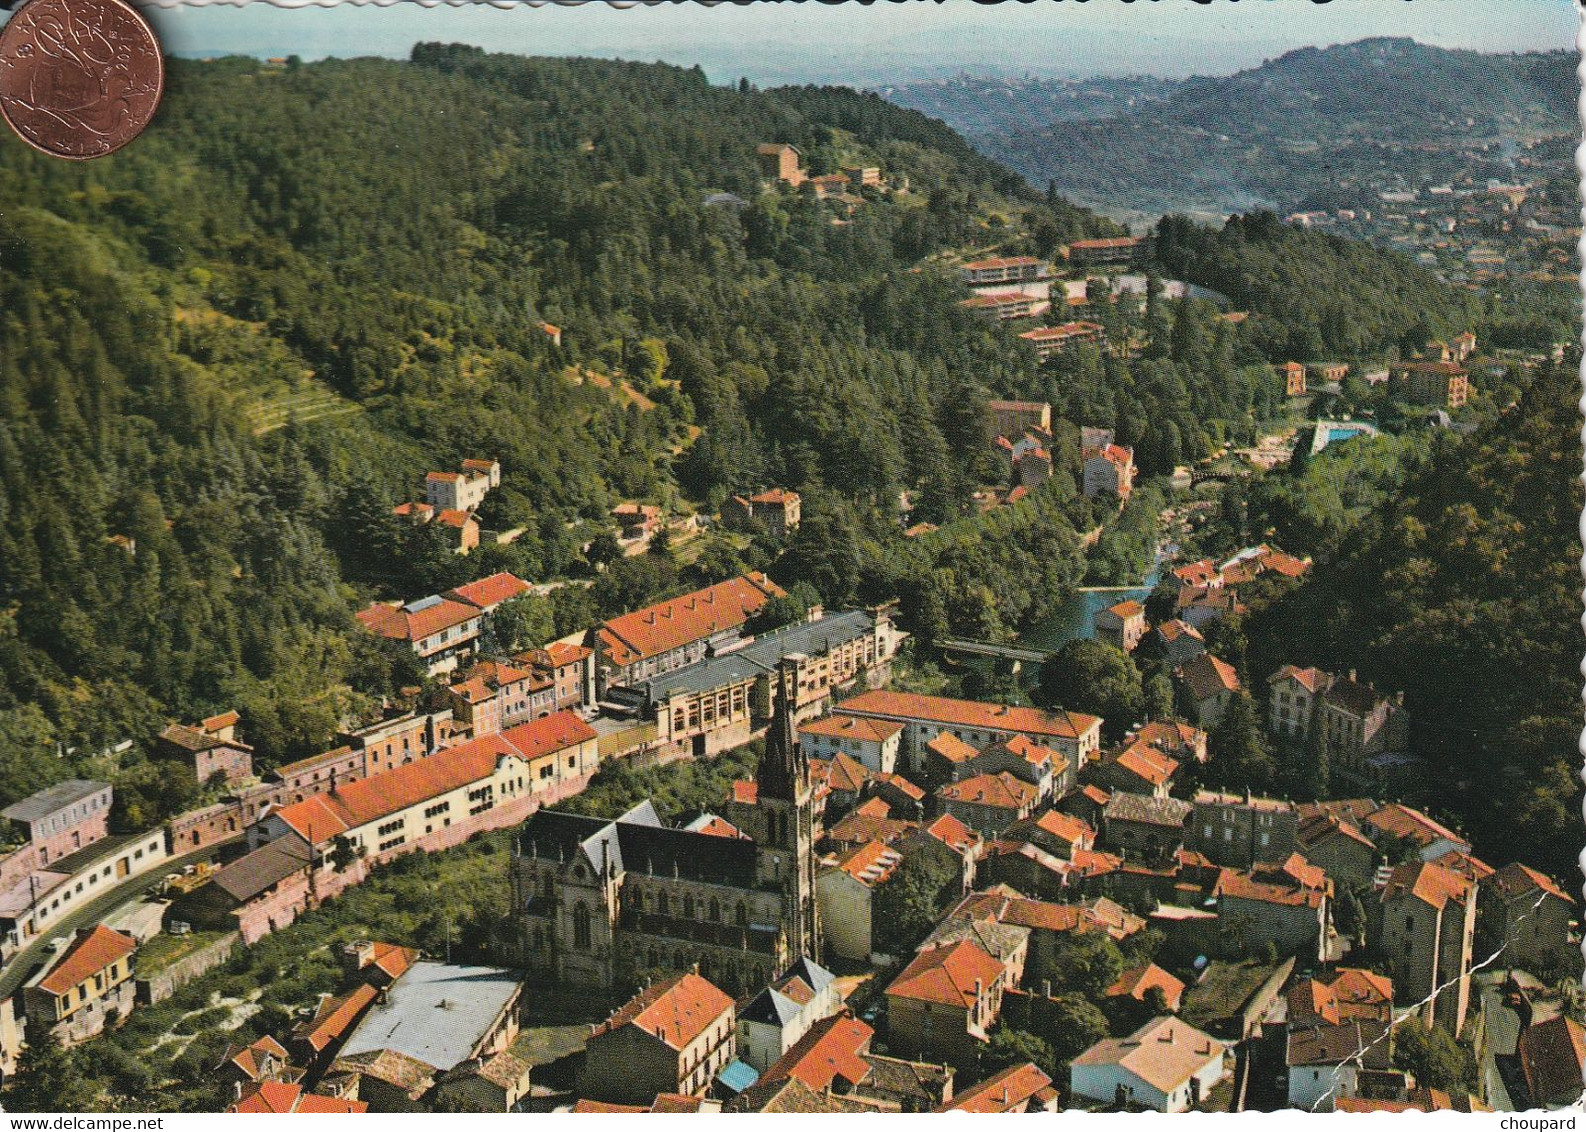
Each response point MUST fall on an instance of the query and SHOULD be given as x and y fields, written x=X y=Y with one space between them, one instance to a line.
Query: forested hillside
x=1301 y=124
x=1317 y=296
x=239 y=342
x=1463 y=589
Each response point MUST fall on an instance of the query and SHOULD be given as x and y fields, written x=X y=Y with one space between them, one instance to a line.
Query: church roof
x=632 y=843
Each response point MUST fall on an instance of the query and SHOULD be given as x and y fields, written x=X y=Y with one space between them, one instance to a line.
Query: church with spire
x=604 y=902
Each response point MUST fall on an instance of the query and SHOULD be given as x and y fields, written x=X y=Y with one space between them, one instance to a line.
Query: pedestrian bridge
x=986 y=648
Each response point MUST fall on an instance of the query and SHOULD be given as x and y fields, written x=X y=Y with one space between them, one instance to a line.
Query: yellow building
x=92 y=980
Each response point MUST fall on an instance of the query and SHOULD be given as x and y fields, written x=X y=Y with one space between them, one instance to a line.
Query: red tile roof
x=552 y=733
x=1553 y=1057
x=1208 y=676
x=223 y=720
x=1136 y=981
x=676 y=1011
x=874 y=808
x=1521 y=880
x=851 y=727
x=1147 y=763
x=871 y=864
x=1065 y=827
x=1397 y=820
x=953 y=833
x=392 y=959
x=277 y=1097
x=1431 y=884
x=1011 y=1090
x=249 y=1059
x=1106 y=243
x=561 y=653
x=1311 y=679
x=968 y=713
x=776 y=496
x=399 y=624
x=718 y=827
x=947 y=975
x=845 y=774
x=951 y=747
x=1243 y=886
x=672 y=624
x=336 y=1016
x=354 y=804
x=745 y=792
x=90 y=953
x=1000 y=790
x=487 y=593
x=833 y=1049
x=1062 y=333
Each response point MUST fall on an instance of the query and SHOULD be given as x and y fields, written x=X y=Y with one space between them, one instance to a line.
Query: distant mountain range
x=1273 y=136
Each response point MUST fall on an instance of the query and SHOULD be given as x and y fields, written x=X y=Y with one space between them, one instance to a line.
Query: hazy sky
x=868 y=44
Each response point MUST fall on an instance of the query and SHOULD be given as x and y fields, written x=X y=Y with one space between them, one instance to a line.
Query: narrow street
x=1502 y=1033
x=22 y=965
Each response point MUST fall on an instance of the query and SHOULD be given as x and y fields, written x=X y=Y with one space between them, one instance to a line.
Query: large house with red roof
x=443 y=629
x=1019 y=1088
x=942 y=1006
x=497 y=778
x=1532 y=917
x=670 y=634
x=675 y=1036
x=464 y=489
x=1074 y=735
x=1427 y=931
x=211 y=748
x=1108 y=470
x=846 y=889
x=275 y=1097
x=91 y=981
x=776 y=509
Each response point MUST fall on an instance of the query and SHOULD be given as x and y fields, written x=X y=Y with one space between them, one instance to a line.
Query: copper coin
x=79 y=78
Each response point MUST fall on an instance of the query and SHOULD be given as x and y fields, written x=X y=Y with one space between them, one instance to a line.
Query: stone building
x=601 y=900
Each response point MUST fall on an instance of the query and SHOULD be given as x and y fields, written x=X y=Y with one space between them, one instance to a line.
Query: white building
x=872 y=742
x=783 y=1012
x=1325 y=1062
x=1166 y=1065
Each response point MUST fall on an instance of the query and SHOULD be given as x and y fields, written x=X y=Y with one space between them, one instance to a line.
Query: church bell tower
x=786 y=833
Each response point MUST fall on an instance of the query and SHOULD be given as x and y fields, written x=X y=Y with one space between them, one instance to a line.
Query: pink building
x=62 y=819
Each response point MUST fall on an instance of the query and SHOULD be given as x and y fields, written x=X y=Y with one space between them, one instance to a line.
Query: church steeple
x=784 y=771
x=783 y=822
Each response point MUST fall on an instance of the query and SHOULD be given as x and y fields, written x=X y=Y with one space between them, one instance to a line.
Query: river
x=1074 y=618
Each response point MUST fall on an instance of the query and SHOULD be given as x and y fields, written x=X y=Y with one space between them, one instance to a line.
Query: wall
x=161 y=986
x=295 y=895
x=131 y=858
x=845 y=914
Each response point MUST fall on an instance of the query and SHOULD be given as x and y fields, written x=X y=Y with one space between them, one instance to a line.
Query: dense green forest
x=1294 y=128
x=227 y=351
x=1463 y=589
x=239 y=342
x=1316 y=297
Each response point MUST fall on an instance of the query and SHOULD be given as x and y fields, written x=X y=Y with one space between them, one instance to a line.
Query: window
x=581 y=926
x=688 y=906
x=663 y=904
